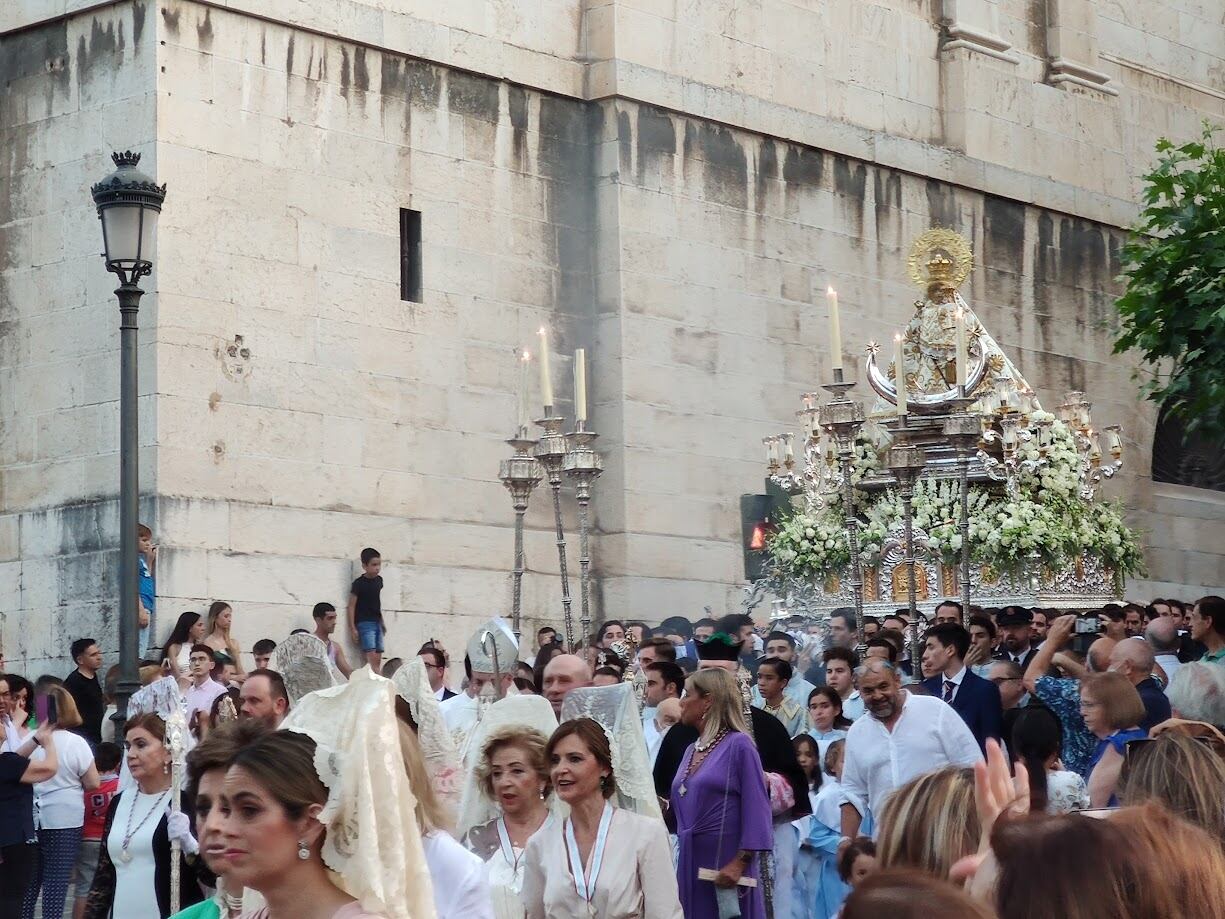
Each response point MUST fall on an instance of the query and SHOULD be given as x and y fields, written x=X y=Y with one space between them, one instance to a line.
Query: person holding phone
x=60 y=803
x=18 y=774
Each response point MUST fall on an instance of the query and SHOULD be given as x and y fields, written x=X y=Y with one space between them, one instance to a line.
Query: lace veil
x=302 y=661
x=615 y=709
x=372 y=842
x=524 y=712
x=437 y=746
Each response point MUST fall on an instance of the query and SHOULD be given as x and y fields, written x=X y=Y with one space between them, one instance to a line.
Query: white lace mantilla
x=615 y=709
x=372 y=841
x=437 y=745
x=302 y=661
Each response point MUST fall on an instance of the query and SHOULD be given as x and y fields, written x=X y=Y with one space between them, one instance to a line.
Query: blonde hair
x=67 y=715
x=531 y=741
x=430 y=811
x=1121 y=705
x=726 y=707
x=1182 y=773
x=930 y=822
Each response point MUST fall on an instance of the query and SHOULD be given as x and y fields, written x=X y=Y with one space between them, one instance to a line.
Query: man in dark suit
x=436 y=669
x=976 y=700
x=1013 y=624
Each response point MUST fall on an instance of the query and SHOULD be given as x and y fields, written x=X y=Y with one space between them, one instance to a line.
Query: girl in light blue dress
x=828 y=890
x=807 y=871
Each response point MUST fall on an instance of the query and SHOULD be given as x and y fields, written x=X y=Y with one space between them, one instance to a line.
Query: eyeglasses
x=997 y=680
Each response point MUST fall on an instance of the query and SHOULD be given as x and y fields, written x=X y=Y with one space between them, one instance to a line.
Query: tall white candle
x=580 y=384
x=835 y=328
x=962 y=351
x=524 y=409
x=546 y=379
x=899 y=375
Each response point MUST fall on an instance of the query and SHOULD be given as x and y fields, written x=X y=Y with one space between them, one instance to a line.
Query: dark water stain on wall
x=725 y=167
x=655 y=137
x=941 y=203
x=803 y=166
x=170 y=19
x=473 y=96
x=765 y=174
x=138 y=21
x=566 y=157
x=516 y=104
x=204 y=31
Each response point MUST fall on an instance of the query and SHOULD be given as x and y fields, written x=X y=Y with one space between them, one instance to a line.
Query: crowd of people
x=1026 y=764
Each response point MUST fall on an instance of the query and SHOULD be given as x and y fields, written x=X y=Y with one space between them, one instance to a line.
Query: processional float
x=956 y=485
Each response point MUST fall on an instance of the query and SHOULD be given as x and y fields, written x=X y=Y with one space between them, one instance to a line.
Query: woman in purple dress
x=720 y=802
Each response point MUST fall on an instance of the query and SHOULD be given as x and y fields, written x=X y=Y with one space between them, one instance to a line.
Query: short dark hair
x=670 y=673
x=1151 y=613
x=545 y=628
x=861 y=845
x=1112 y=611
x=608 y=671
x=1212 y=608
x=841 y=654
x=871 y=620
x=901 y=619
x=107 y=756
x=664 y=648
x=704 y=622
x=201 y=648
x=322 y=609
x=780 y=636
x=440 y=659
x=275 y=680
x=263 y=646
x=846 y=614
x=953 y=603
x=605 y=625
x=80 y=646
x=781 y=667
x=894 y=637
x=879 y=642
x=951 y=633
x=985 y=622
x=677 y=625
x=733 y=623
x=369 y=555
x=218 y=749
x=1174 y=603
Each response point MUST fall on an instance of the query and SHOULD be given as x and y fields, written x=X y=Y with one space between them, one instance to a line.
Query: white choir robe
x=636 y=880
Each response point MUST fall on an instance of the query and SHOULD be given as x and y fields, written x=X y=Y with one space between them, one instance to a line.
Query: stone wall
x=680 y=223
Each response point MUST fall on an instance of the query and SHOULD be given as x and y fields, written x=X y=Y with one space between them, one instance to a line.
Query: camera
x=1088 y=625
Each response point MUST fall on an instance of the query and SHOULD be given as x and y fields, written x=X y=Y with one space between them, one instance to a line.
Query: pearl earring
x=304 y=851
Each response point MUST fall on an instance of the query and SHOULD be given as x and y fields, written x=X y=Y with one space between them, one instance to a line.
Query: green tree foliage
x=1173 y=312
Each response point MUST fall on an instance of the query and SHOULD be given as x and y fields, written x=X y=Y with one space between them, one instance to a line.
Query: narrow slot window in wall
x=410 y=255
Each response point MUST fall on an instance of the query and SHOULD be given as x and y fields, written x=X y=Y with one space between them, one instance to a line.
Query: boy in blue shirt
x=147 y=560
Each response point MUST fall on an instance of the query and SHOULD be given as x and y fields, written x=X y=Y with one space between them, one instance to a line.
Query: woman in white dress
x=601 y=860
x=511 y=771
x=133 y=876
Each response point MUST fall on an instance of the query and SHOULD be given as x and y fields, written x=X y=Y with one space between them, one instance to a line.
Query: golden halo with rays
x=940 y=254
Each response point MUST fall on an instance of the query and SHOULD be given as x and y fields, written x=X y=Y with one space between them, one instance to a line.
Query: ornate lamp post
x=907 y=461
x=583 y=465
x=128 y=203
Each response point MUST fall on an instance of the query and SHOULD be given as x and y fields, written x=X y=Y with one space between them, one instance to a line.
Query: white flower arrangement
x=1047 y=518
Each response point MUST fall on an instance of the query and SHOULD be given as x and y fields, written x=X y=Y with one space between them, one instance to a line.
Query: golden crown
x=940 y=256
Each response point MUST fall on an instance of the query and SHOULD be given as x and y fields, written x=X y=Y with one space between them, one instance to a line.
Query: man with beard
x=903 y=735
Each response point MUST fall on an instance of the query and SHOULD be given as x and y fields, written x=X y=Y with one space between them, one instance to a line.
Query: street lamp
x=128 y=203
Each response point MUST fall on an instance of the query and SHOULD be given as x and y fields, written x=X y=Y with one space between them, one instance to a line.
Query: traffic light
x=759 y=516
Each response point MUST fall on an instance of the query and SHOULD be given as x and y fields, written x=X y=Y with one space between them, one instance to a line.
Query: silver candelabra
x=521 y=473
x=583 y=465
x=1076 y=413
x=551 y=451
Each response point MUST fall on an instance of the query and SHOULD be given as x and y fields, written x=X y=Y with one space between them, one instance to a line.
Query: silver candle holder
x=583 y=465
x=842 y=418
x=961 y=430
x=551 y=452
x=521 y=473
x=906 y=461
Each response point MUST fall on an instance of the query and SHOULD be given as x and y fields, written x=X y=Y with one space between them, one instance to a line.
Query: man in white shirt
x=665 y=680
x=902 y=736
x=1162 y=636
x=202 y=689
